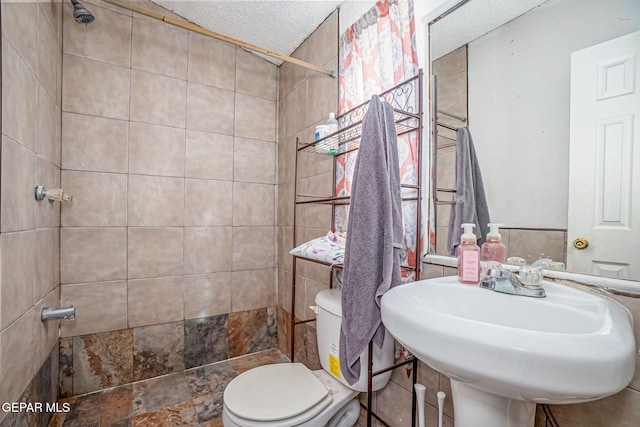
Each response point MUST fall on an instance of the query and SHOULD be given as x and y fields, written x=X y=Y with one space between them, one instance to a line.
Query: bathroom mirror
x=504 y=67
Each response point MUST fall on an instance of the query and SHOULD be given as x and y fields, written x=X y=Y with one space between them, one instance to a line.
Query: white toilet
x=289 y=394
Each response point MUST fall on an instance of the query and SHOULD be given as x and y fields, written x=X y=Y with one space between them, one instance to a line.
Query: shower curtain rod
x=204 y=31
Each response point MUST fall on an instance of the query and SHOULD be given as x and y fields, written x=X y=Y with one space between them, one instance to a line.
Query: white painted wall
x=519 y=104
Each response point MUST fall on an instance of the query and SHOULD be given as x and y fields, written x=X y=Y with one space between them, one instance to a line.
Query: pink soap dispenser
x=493 y=249
x=468 y=257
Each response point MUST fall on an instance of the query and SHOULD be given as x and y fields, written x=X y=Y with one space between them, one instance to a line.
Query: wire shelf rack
x=404 y=99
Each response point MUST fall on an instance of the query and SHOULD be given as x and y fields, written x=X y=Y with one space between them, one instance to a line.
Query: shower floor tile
x=192 y=398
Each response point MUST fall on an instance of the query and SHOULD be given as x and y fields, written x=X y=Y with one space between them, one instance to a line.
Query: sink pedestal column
x=475 y=408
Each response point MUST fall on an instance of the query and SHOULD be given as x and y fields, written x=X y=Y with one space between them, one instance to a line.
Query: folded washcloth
x=328 y=248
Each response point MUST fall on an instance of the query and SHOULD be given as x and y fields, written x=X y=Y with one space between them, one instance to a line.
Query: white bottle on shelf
x=332 y=122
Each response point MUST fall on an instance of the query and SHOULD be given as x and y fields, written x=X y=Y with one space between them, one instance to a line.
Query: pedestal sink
x=505 y=353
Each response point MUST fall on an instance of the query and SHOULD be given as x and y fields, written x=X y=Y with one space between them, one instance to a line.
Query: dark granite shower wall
x=103 y=360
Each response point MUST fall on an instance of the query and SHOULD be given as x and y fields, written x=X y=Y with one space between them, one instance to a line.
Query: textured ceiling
x=277 y=25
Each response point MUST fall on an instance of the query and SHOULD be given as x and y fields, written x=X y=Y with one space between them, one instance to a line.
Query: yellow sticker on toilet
x=334 y=360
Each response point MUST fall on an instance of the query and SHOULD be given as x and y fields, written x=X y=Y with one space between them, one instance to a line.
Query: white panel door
x=604 y=170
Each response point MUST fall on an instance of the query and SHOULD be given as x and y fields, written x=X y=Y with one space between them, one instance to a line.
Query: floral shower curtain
x=376 y=53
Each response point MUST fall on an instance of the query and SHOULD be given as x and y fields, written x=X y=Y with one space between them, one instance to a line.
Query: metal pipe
x=197 y=29
x=66 y=313
x=455 y=116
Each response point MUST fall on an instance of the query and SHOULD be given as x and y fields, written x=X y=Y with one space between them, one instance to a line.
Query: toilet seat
x=287 y=392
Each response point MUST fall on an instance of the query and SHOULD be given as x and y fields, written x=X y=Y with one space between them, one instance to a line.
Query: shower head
x=81 y=15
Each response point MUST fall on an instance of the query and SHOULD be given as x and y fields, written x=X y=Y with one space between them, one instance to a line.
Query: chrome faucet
x=66 y=313
x=508 y=283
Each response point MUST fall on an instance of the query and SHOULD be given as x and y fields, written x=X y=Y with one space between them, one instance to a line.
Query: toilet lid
x=274 y=392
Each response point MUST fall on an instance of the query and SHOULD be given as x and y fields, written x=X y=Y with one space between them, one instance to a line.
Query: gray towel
x=471 y=202
x=374 y=237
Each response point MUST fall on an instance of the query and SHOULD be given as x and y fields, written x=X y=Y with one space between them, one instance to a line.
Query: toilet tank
x=328 y=319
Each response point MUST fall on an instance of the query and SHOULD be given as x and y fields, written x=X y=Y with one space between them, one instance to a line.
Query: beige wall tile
x=47 y=214
x=322 y=96
x=316 y=216
x=17 y=366
x=282 y=118
x=209 y=109
x=19 y=103
x=95 y=88
x=393 y=405
x=208 y=203
x=158 y=48
x=255 y=76
x=156 y=150
x=94 y=143
x=296 y=115
x=107 y=39
x=17 y=197
x=53 y=14
x=155 y=201
x=254 y=161
x=47 y=268
x=206 y=295
x=432 y=271
x=209 y=156
x=253 y=204
x=207 y=249
x=255 y=117
x=157 y=99
x=20 y=27
x=100 y=307
x=318 y=164
x=152 y=301
x=49 y=56
x=99 y=199
x=18 y=275
x=211 y=62
x=320 y=184
x=253 y=248
x=48 y=127
x=621 y=409
x=154 y=252
x=311 y=289
x=46 y=333
x=93 y=254
x=252 y=289
x=534 y=244
x=323 y=42
x=294 y=76
x=285 y=204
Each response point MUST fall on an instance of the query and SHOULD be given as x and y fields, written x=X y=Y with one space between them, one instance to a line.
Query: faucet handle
x=531 y=277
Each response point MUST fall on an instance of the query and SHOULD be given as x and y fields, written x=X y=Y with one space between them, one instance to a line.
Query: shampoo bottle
x=468 y=257
x=332 y=122
x=493 y=249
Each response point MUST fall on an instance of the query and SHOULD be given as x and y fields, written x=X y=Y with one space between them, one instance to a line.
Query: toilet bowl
x=290 y=394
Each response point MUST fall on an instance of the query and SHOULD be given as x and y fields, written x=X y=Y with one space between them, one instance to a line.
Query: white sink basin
x=505 y=352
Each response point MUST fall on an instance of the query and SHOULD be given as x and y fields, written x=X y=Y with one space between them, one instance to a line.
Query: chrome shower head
x=81 y=15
